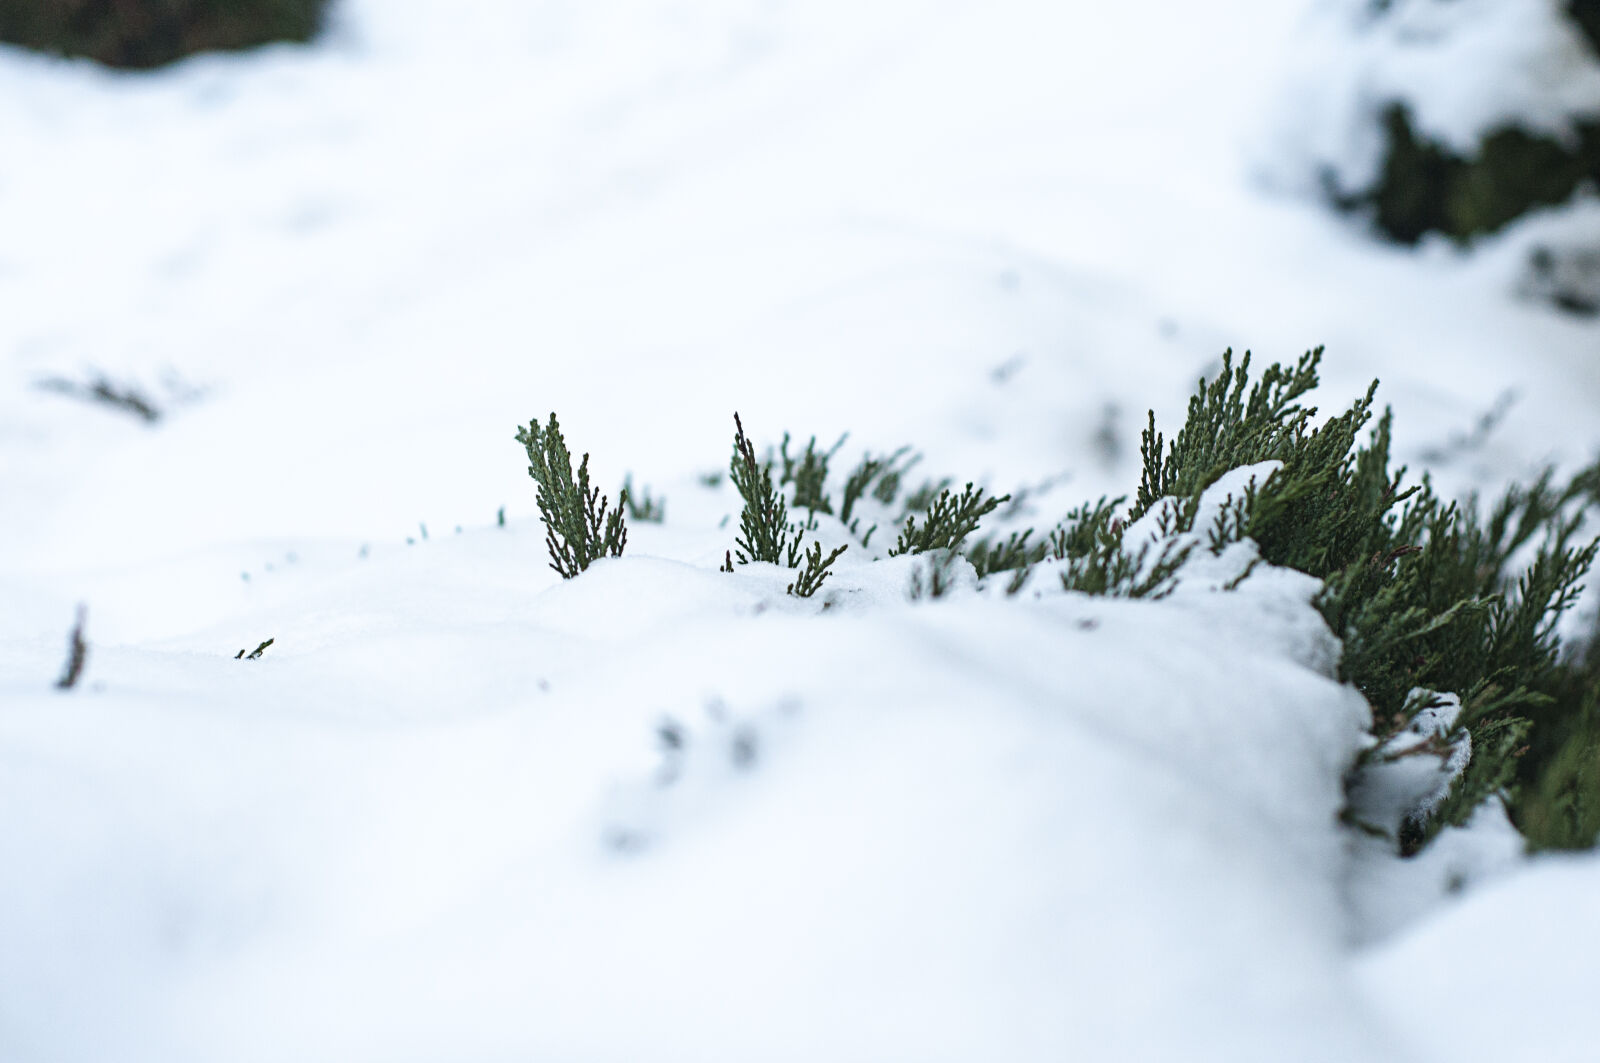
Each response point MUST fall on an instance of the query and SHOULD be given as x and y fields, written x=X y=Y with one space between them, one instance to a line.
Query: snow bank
x=1517 y=961
x=459 y=810
x=660 y=812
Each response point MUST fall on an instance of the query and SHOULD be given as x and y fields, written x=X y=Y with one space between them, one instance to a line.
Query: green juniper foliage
x=1087 y=528
x=1426 y=595
x=1089 y=540
x=764 y=529
x=1016 y=556
x=885 y=470
x=948 y=521
x=881 y=478
x=923 y=498
x=889 y=483
x=1423 y=593
x=1560 y=807
x=814 y=572
x=579 y=527
x=938 y=581
x=765 y=532
x=809 y=474
x=1425 y=186
x=641 y=505
x=989 y=556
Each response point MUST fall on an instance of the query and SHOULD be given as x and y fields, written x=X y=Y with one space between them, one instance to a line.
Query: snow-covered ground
x=461 y=810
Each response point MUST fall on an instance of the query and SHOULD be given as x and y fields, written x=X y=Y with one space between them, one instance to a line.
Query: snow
x=459 y=834
x=1520 y=944
x=461 y=809
x=1412 y=771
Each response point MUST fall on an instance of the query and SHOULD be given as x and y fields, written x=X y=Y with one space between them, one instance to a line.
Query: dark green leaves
x=765 y=533
x=579 y=528
x=948 y=521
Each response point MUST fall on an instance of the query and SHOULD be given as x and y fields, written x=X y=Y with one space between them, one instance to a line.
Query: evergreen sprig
x=888 y=486
x=1109 y=569
x=765 y=532
x=989 y=556
x=809 y=474
x=579 y=526
x=642 y=505
x=1224 y=429
x=886 y=471
x=923 y=498
x=948 y=521
x=815 y=571
x=940 y=576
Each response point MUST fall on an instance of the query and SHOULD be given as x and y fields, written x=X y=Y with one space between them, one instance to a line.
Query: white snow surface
x=1520 y=943
x=463 y=810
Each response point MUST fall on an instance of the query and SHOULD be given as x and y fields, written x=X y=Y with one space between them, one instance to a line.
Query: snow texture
x=462 y=810
x=1411 y=772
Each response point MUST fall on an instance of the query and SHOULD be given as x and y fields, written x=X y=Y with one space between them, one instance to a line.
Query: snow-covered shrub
x=579 y=530
x=150 y=33
x=1435 y=602
x=1426 y=595
x=1448 y=116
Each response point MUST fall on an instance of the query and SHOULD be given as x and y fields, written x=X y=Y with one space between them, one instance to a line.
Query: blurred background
x=290 y=268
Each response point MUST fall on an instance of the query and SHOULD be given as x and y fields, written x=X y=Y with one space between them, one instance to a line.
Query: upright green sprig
x=1225 y=430
x=880 y=476
x=815 y=571
x=808 y=471
x=989 y=556
x=765 y=533
x=949 y=520
x=579 y=526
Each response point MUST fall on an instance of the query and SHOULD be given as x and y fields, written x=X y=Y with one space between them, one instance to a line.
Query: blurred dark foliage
x=140 y=34
x=1586 y=13
x=1426 y=187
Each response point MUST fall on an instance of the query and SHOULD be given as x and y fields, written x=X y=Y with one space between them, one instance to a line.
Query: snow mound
x=688 y=817
x=1520 y=947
